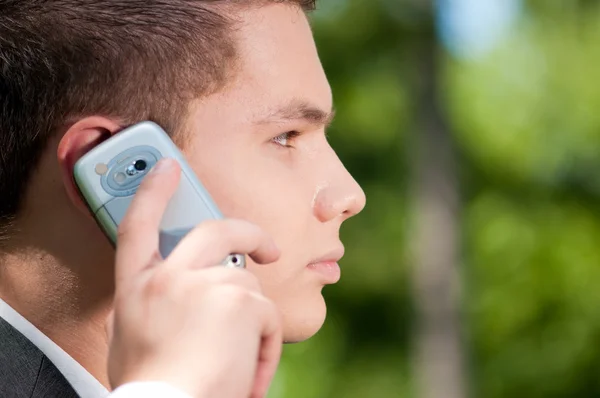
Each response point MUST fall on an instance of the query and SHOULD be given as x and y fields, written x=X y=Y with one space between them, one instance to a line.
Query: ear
x=80 y=138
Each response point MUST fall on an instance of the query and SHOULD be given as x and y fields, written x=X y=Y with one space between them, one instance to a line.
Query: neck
x=67 y=297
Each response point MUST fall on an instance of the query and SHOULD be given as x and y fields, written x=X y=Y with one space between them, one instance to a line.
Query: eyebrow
x=300 y=110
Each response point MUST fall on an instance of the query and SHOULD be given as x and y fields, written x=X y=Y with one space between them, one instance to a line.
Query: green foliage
x=527 y=121
x=528 y=112
x=533 y=300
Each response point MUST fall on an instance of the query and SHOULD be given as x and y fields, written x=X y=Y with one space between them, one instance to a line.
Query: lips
x=327 y=266
x=334 y=255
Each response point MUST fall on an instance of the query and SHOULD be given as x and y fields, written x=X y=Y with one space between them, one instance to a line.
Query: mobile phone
x=109 y=175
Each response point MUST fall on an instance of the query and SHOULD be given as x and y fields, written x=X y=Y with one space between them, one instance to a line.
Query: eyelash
x=288 y=136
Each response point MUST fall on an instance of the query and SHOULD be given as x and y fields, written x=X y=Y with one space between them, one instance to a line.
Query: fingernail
x=162 y=165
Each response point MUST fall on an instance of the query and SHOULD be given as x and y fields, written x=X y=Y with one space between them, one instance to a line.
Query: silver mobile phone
x=108 y=177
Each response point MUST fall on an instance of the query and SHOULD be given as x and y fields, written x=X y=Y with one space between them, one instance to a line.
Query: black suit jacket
x=25 y=372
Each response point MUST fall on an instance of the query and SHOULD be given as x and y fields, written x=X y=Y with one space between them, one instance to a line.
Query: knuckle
x=223 y=232
x=210 y=231
x=159 y=283
x=123 y=228
x=211 y=225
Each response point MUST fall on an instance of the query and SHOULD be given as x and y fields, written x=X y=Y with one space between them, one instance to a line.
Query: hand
x=204 y=329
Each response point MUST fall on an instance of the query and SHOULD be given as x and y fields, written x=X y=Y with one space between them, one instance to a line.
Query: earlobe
x=78 y=139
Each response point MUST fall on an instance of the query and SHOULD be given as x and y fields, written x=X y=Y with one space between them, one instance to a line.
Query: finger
x=270 y=351
x=137 y=241
x=219 y=276
x=210 y=242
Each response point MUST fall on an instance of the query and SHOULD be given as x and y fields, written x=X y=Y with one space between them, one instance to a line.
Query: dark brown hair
x=131 y=60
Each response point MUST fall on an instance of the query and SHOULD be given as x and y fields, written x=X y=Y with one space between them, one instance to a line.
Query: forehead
x=278 y=59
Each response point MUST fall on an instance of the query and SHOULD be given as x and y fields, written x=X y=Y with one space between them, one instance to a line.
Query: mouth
x=327 y=266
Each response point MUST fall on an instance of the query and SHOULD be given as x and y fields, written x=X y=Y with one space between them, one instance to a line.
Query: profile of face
x=259 y=146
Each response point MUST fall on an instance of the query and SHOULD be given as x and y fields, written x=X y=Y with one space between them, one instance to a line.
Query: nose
x=341 y=198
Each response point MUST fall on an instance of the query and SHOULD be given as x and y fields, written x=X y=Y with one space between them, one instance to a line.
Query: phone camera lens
x=140 y=165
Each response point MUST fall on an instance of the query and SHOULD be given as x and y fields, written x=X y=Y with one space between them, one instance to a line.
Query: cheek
x=253 y=186
x=275 y=202
x=278 y=198
x=250 y=182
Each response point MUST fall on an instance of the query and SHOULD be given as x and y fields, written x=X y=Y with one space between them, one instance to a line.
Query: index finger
x=137 y=236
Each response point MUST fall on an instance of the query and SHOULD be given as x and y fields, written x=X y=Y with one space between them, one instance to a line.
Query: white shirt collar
x=84 y=384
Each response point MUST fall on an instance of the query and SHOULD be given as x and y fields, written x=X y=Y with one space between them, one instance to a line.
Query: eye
x=285 y=139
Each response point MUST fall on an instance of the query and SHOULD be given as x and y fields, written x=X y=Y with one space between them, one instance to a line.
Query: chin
x=304 y=321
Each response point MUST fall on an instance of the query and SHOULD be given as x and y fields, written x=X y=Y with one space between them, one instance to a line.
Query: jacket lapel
x=25 y=372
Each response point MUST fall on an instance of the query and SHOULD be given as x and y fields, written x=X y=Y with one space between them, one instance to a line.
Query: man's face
x=259 y=146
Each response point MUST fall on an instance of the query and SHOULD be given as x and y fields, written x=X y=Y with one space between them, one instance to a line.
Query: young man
x=239 y=86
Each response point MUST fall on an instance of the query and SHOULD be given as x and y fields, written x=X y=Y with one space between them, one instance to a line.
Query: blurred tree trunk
x=439 y=354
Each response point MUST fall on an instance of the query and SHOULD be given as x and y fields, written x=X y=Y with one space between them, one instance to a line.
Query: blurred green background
x=474 y=128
